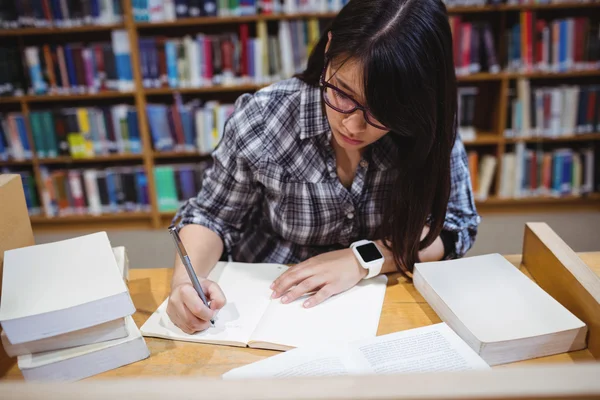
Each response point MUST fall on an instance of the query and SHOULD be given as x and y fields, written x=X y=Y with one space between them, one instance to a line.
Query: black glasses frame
x=357 y=106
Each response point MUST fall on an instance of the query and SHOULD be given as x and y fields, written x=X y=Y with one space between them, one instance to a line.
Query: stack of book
x=66 y=312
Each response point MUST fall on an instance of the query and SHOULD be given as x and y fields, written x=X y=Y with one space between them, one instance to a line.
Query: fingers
x=194 y=304
x=306 y=286
x=290 y=278
x=323 y=294
x=192 y=323
x=215 y=295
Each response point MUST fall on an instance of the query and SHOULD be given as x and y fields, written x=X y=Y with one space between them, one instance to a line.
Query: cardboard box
x=15 y=226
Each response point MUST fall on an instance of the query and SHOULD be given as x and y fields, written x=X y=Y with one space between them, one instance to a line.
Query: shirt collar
x=313 y=121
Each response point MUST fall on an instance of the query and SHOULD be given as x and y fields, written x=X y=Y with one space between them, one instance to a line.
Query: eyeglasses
x=342 y=102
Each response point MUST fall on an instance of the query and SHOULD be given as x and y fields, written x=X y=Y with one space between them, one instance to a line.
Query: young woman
x=351 y=169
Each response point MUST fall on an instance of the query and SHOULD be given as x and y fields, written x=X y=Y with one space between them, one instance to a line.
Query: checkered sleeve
x=462 y=219
x=229 y=191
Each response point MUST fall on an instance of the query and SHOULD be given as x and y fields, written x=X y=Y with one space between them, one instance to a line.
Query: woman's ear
x=329 y=35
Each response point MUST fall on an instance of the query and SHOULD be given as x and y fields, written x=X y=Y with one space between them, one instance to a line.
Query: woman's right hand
x=186 y=309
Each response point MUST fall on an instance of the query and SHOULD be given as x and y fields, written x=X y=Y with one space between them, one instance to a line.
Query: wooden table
x=403 y=308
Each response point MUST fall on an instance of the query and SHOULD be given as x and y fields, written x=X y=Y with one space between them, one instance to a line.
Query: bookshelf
x=488 y=140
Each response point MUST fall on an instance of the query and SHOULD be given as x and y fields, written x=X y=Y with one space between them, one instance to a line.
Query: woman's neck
x=346 y=163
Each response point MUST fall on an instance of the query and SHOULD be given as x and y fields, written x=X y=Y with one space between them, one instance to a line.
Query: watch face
x=369 y=252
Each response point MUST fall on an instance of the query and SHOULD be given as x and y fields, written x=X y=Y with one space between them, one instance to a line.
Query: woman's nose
x=355 y=122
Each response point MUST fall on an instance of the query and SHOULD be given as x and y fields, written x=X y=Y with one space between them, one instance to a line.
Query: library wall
x=109 y=109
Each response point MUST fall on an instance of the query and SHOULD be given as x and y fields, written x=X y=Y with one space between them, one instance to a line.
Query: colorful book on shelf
x=175 y=184
x=94 y=191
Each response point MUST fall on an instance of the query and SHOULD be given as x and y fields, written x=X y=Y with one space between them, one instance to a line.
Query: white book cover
x=59 y=287
x=494 y=307
x=80 y=362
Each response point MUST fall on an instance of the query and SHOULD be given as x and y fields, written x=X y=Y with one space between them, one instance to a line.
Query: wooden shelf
x=179 y=154
x=108 y=158
x=573 y=138
x=57 y=31
x=123 y=216
x=552 y=75
x=482 y=139
x=76 y=97
x=204 y=89
x=230 y=20
x=482 y=76
x=15 y=163
x=542 y=201
x=553 y=6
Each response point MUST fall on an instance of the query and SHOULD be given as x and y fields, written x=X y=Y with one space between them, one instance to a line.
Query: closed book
x=80 y=362
x=99 y=333
x=41 y=299
x=502 y=314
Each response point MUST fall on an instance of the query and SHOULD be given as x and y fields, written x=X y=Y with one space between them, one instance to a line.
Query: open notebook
x=250 y=318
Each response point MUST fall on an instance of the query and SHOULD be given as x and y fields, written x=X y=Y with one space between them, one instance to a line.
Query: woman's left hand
x=326 y=274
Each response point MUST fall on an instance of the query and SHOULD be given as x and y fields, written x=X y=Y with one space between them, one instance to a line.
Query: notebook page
x=428 y=349
x=494 y=300
x=59 y=275
x=306 y=361
x=246 y=288
x=292 y=325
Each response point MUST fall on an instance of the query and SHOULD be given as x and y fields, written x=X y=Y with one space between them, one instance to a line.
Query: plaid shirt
x=273 y=194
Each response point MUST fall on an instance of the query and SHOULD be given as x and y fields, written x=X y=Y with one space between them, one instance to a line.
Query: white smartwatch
x=368 y=255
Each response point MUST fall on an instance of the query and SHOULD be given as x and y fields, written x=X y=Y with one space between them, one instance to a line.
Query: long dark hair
x=405 y=50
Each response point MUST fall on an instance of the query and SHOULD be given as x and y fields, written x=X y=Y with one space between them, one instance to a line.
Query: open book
x=502 y=314
x=428 y=349
x=251 y=318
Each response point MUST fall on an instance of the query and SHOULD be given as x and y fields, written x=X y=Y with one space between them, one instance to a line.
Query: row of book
x=75 y=132
x=13 y=81
x=560 y=172
x=81 y=68
x=547 y=111
x=94 y=191
x=473 y=46
x=58 y=13
x=171 y=10
x=175 y=184
x=187 y=127
x=536 y=172
x=228 y=58
x=111 y=190
x=559 y=45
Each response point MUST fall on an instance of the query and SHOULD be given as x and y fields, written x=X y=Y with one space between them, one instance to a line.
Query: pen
x=188 y=266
